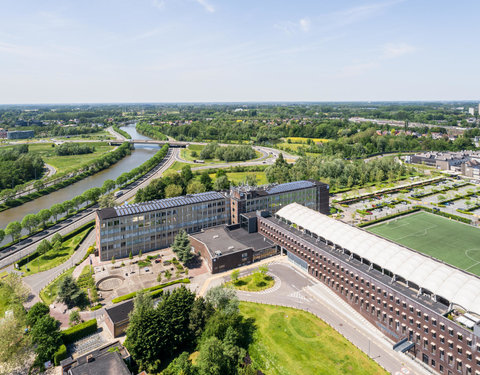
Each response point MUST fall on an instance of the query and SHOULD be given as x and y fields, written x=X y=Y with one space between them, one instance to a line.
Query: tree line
x=227 y=153
x=160 y=339
x=74 y=149
x=150 y=131
x=18 y=166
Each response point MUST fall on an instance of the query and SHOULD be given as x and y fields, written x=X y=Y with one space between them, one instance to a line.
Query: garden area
x=288 y=341
x=255 y=282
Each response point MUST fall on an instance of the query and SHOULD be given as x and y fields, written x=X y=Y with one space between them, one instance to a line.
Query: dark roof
x=119 y=313
x=110 y=363
x=227 y=241
x=289 y=186
x=136 y=208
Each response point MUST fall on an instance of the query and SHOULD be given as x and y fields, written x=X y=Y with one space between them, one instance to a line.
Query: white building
x=471 y=110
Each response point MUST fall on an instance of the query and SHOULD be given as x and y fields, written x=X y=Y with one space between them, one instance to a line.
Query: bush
x=79 y=331
x=151 y=289
x=96 y=307
x=60 y=354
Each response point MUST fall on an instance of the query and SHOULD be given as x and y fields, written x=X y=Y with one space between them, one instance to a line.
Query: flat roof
x=221 y=238
x=137 y=208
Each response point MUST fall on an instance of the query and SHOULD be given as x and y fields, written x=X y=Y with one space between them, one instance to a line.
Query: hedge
x=122 y=132
x=60 y=354
x=96 y=307
x=128 y=296
x=79 y=331
x=415 y=209
x=80 y=229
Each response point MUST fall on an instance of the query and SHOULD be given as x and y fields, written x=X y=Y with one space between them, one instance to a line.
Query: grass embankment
x=49 y=293
x=444 y=239
x=54 y=257
x=288 y=341
x=253 y=283
x=239 y=177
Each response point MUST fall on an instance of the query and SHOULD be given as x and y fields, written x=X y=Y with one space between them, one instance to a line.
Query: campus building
x=430 y=309
x=153 y=225
x=310 y=193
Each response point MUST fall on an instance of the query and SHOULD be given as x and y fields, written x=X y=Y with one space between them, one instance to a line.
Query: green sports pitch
x=444 y=239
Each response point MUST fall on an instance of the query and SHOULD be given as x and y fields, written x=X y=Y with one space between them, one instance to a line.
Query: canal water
x=140 y=154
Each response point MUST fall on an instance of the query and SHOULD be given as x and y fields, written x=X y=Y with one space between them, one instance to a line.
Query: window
x=450 y=331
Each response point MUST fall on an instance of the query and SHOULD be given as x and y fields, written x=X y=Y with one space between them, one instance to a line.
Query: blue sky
x=238 y=50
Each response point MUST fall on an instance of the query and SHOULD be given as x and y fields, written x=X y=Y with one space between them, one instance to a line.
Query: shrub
x=79 y=331
x=151 y=289
x=60 y=355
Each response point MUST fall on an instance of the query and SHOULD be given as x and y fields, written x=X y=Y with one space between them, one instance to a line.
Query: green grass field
x=447 y=240
x=68 y=162
x=54 y=257
x=49 y=293
x=294 y=342
x=238 y=177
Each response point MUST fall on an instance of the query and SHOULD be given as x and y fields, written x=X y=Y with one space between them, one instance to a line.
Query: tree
x=251 y=179
x=30 y=222
x=70 y=293
x=234 y=275
x=56 y=210
x=108 y=185
x=195 y=187
x=221 y=183
x=168 y=274
x=173 y=190
x=20 y=292
x=181 y=365
x=44 y=215
x=68 y=205
x=186 y=174
x=113 y=259
x=130 y=255
x=201 y=312
x=263 y=269
x=74 y=317
x=46 y=335
x=206 y=180
x=2 y=235
x=92 y=195
x=107 y=200
x=57 y=237
x=223 y=299
x=182 y=247
x=43 y=247
x=36 y=312
x=13 y=229
x=15 y=347
x=77 y=201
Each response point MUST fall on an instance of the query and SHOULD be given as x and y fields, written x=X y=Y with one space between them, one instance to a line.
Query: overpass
x=150 y=142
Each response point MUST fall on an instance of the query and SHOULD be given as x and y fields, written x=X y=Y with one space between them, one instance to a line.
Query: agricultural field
x=288 y=341
x=455 y=243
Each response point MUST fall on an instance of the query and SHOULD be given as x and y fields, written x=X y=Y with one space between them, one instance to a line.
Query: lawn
x=49 y=293
x=304 y=140
x=54 y=257
x=447 y=240
x=253 y=283
x=68 y=162
x=288 y=341
x=239 y=177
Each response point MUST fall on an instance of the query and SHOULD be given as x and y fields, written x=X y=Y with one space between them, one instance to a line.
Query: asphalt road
x=29 y=245
x=295 y=288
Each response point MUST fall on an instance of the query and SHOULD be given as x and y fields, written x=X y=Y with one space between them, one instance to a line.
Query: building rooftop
x=110 y=363
x=119 y=313
x=455 y=285
x=137 y=208
x=276 y=188
x=228 y=241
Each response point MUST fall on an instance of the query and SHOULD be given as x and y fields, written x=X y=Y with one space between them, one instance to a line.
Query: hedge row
x=150 y=131
x=60 y=354
x=79 y=331
x=388 y=217
x=415 y=209
x=447 y=188
x=122 y=132
x=151 y=289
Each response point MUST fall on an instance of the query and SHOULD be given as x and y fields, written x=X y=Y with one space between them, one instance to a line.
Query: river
x=140 y=154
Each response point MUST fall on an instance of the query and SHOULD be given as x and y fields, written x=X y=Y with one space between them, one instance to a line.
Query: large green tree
x=47 y=337
x=182 y=247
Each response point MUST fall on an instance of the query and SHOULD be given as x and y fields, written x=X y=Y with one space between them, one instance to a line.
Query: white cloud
x=304 y=24
x=206 y=5
x=392 y=50
x=290 y=27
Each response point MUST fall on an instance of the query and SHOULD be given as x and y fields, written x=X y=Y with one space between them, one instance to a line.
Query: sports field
x=448 y=240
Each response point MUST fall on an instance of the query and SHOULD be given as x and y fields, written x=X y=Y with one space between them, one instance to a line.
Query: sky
x=107 y=51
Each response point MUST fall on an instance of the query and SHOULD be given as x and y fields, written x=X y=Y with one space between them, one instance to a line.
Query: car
x=158 y=260
x=147 y=269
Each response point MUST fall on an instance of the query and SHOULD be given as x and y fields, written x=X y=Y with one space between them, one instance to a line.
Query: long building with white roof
x=429 y=308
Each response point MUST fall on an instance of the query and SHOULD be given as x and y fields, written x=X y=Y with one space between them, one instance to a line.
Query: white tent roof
x=443 y=280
